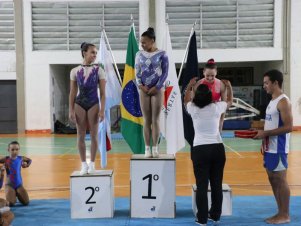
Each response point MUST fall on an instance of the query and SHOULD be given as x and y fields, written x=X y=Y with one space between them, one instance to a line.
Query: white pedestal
x=153 y=187
x=92 y=195
x=227 y=200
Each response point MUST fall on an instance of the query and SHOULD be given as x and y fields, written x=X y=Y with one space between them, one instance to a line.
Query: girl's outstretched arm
x=26 y=162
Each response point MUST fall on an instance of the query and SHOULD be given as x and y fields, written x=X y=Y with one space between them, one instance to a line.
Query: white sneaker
x=155 y=152
x=91 y=167
x=148 y=153
x=84 y=169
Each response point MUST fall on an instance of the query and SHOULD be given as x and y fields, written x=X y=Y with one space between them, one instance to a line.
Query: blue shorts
x=275 y=161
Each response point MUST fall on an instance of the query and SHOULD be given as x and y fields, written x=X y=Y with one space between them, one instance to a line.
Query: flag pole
x=186 y=51
x=166 y=26
x=133 y=25
x=113 y=58
x=115 y=65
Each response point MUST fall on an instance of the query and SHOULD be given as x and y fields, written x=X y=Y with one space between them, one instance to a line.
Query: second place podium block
x=153 y=188
x=92 y=195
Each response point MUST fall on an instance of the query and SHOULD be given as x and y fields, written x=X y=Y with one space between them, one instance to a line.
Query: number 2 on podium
x=96 y=189
x=150 y=178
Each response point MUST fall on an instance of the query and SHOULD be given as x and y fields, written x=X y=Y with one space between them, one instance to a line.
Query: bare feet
x=271 y=218
x=279 y=220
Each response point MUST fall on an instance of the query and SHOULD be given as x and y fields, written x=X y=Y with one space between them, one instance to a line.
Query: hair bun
x=83 y=44
x=150 y=29
x=150 y=33
x=211 y=61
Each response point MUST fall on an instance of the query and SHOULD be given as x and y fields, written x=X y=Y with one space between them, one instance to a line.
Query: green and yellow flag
x=132 y=120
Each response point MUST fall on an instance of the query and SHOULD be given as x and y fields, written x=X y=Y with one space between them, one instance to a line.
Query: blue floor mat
x=118 y=136
x=247 y=211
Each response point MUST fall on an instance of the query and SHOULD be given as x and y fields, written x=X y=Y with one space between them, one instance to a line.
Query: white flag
x=171 y=120
x=113 y=96
x=113 y=87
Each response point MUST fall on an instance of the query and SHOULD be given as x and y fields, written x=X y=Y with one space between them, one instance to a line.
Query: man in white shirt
x=278 y=125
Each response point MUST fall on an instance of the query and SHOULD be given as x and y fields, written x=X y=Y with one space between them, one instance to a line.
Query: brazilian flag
x=131 y=115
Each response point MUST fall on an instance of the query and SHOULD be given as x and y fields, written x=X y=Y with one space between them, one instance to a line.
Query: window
x=222 y=24
x=65 y=25
x=7 y=26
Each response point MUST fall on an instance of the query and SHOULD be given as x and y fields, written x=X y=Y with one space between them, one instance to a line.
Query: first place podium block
x=92 y=195
x=153 y=188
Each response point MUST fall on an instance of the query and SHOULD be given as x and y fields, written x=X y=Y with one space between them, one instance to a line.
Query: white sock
x=147 y=148
x=155 y=148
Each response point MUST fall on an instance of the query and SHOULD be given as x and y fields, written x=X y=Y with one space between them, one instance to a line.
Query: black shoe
x=198 y=223
x=215 y=222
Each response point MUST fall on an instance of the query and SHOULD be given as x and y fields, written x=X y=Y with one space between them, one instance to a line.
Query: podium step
x=227 y=200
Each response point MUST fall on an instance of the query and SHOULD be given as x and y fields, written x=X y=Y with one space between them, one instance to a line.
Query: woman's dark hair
x=85 y=46
x=202 y=96
x=150 y=33
x=275 y=75
x=211 y=64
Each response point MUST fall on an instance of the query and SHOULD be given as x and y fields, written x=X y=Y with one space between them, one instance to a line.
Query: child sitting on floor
x=14 y=187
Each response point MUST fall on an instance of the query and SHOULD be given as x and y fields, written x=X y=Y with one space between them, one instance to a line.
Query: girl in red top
x=216 y=86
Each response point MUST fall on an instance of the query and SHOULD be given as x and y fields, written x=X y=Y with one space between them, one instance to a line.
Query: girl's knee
x=155 y=123
x=81 y=134
x=81 y=137
x=3 y=203
x=147 y=119
x=11 y=200
x=93 y=137
x=23 y=200
x=147 y=127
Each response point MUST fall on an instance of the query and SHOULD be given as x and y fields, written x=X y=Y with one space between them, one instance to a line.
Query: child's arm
x=26 y=162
